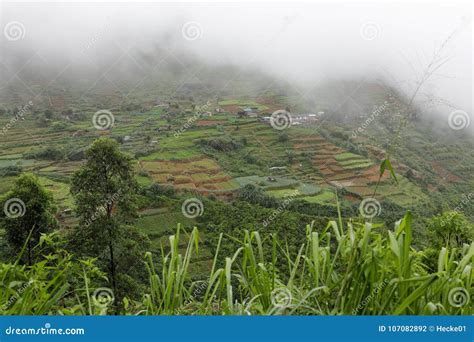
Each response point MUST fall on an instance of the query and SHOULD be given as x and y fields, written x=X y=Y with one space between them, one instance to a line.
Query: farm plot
x=60 y=191
x=271 y=103
x=280 y=187
x=404 y=193
x=6 y=183
x=357 y=174
x=301 y=190
x=201 y=174
x=158 y=224
x=267 y=183
x=235 y=105
x=65 y=169
x=172 y=154
x=211 y=122
x=327 y=197
x=352 y=161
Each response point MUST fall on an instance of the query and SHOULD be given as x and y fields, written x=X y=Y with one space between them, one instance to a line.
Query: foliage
x=283 y=137
x=352 y=270
x=76 y=154
x=11 y=170
x=228 y=219
x=55 y=285
x=49 y=153
x=450 y=229
x=336 y=271
x=222 y=144
x=250 y=193
x=28 y=212
x=159 y=190
x=105 y=193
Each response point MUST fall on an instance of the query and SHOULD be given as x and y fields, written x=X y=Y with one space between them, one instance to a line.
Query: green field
x=327 y=197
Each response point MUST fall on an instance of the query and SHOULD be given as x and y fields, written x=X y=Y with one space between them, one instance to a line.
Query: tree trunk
x=112 y=263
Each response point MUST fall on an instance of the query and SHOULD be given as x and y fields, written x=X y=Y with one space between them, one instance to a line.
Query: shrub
x=283 y=137
x=221 y=144
x=11 y=170
x=49 y=153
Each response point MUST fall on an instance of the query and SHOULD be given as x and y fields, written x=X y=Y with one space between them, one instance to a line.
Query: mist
x=299 y=45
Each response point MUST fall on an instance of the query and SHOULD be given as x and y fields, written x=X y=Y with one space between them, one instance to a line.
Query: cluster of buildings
x=253 y=112
x=298 y=119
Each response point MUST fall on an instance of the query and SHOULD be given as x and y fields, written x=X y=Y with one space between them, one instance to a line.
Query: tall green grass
x=58 y=284
x=359 y=269
x=351 y=269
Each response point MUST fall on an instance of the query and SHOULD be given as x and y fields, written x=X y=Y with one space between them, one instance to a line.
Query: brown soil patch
x=200 y=174
x=210 y=122
x=373 y=172
x=352 y=198
x=232 y=108
x=443 y=173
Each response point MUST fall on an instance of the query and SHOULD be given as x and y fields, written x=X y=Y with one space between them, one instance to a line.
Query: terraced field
x=237 y=105
x=304 y=164
x=356 y=173
x=300 y=162
x=200 y=174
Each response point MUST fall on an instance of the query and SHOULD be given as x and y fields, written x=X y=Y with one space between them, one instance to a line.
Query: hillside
x=237 y=154
x=211 y=148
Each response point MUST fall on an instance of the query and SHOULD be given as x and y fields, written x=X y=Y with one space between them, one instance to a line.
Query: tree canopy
x=27 y=209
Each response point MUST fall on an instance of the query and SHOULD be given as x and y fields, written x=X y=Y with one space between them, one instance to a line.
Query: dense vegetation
x=271 y=265
x=338 y=270
x=277 y=226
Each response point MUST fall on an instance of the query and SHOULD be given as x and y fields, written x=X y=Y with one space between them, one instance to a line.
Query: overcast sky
x=303 y=43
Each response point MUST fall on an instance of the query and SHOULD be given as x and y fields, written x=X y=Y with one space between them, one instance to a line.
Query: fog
x=299 y=44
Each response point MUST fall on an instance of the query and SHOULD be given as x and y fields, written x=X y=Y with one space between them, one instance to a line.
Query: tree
x=451 y=229
x=42 y=120
x=27 y=209
x=105 y=194
x=48 y=114
x=283 y=137
x=250 y=193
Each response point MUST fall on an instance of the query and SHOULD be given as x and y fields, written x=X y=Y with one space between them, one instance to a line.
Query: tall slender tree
x=105 y=191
